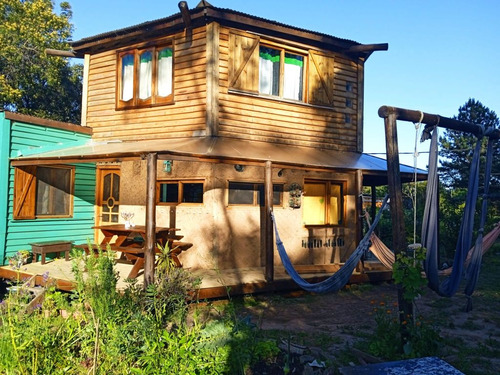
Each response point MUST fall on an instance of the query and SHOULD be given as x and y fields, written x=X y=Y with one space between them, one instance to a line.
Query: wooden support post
x=149 y=251
x=269 y=240
x=373 y=212
x=359 y=212
x=395 y=193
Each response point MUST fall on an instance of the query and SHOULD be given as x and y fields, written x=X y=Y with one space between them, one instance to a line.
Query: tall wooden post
x=269 y=240
x=395 y=193
x=149 y=251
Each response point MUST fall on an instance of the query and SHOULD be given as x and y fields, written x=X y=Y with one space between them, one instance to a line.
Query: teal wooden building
x=53 y=202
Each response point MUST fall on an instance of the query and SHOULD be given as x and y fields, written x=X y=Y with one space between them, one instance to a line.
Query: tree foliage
x=31 y=82
x=456 y=149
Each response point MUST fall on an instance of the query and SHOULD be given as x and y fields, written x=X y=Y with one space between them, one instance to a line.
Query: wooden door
x=108 y=196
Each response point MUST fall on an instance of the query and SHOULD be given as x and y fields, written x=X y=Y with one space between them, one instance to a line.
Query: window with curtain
x=290 y=84
x=323 y=203
x=145 y=77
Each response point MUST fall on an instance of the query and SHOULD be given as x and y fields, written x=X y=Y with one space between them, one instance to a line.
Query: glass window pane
x=106 y=187
x=164 y=84
x=277 y=194
x=241 y=193
x=145 y=74
x=116 y=187
x=127 y=77
x=335 y=212
x=53 y=191
x=293 y=71
x=192 y=192
x=269 y=70
x=169 y=192
x=314 y=203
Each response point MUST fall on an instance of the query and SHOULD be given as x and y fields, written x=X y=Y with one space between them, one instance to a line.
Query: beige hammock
x=386 y=256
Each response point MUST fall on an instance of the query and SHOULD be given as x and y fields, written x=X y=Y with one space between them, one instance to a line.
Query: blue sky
x=441 y=53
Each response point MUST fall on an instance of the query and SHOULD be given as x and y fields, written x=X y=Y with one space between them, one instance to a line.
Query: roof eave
x=207 y=14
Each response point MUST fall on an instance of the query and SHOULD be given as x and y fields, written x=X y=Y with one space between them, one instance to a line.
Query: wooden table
x=131 y=247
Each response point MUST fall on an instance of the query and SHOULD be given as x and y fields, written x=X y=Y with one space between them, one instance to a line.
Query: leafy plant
x=407 y=272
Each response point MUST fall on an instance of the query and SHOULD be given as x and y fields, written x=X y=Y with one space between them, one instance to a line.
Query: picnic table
x=130 y=241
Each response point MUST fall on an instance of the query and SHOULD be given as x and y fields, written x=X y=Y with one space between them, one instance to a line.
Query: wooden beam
x=56 y=52
x=186 y=16
x=434 y=120
x=212 y=74
x=269 y=239
x=368 y=48
x=149 y=251
x=85 y=89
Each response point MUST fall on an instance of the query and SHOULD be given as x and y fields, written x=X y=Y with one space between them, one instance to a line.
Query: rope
x=415 y=159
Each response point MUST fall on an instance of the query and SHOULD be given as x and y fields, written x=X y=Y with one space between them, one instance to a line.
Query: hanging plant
x=295 y=195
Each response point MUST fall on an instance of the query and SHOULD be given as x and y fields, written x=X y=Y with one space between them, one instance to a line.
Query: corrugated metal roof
x=220 y=149
x=206 y=14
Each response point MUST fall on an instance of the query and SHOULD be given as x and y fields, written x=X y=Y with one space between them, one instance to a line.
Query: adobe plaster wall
x=230 y=236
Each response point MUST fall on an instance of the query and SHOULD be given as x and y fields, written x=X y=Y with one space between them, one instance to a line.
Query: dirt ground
x=338 y=321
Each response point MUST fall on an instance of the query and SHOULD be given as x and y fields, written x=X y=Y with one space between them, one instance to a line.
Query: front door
x=108 y=195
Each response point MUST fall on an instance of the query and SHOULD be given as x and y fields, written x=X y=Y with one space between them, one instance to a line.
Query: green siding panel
x=78 y=228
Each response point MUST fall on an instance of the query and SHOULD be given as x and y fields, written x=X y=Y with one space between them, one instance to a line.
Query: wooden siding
x=185 y=117
x=245 y=115
x=19 y=233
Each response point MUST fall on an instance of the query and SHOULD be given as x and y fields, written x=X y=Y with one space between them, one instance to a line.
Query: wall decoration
x=295 y=198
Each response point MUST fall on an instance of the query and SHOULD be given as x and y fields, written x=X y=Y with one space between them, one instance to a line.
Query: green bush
x=96 y=329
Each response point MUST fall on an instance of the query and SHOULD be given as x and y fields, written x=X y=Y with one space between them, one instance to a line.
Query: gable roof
x=204 y=14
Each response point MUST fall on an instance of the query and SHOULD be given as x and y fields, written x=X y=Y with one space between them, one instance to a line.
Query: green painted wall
x=20 y=233
x=4 y=177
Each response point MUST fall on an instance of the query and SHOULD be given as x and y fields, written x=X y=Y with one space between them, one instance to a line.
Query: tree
x=456 y=149
x=30 y=81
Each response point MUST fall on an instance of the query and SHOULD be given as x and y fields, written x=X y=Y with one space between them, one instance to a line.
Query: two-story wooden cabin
x=228 y=106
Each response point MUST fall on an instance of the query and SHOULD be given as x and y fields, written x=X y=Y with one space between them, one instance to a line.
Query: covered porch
x=364 y=170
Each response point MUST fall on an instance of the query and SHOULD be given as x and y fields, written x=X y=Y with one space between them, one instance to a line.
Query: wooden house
x=208 y=119
x=53 y=202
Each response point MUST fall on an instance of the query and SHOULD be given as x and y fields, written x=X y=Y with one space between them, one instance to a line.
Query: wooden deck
x=214 y=284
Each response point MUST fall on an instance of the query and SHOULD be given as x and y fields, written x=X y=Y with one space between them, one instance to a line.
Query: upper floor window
x=145 y=77
x=43 y=192
x=323 y=203
x=290 y=84
x=265 y=67
x=175 y=192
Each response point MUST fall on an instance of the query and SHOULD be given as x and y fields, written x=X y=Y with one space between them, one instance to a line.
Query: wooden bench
x=49 y=247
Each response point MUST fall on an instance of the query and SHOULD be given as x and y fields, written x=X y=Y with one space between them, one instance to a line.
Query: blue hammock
x=449 y=286
x=339 y=278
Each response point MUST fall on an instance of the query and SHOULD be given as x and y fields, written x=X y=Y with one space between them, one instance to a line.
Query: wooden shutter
x=321 y=79
x=24 y=192
x=244 y=62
